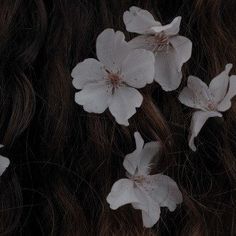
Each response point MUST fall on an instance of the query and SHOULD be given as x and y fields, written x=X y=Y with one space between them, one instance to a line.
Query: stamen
x=114 y=80
x=160 y=42
x=211 y=106
x=138 y=179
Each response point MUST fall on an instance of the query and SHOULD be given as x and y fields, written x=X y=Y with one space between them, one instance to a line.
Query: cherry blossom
x=143 y=191
x=209 y=101
x=171 y=50
x=112 y=82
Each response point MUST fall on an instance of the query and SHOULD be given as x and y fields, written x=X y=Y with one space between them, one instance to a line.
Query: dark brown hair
x=64 y=160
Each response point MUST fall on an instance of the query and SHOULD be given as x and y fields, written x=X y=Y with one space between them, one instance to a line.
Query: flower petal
x=142 y=41
x=163 y=190
x=150 y=209
x=131 y=161
x=183 y=47
x=95 y=97
x=138 y=141
x=219 y=85
x=112 y=49
x=88 y=71
x=139 y=21
x=196 y=84
x=226 y=102
x=138 y=68
x=169 y=63
x=122 y=193
x=169 y=29
x=124 y=103
x=198 y=120
x=186 y=97
x=147 y=154
x=201 y=92
x=4 y=163
x=167 y=72
x=149 y=220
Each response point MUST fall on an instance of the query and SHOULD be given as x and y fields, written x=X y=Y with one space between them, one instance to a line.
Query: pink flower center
x=160 y=42
x=114 y=79
x=139 y=179
x=211 y=106
x=205 y=99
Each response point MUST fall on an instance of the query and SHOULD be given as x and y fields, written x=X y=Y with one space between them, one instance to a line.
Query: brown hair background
x=64 y=160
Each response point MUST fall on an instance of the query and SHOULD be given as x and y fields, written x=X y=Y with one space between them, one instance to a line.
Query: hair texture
x=64 y=160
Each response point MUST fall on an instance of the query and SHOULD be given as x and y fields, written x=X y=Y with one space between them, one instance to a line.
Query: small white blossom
x=144 y=191
x=171 y=50
x=111 y=82
x=209 y=101
x=4 y=163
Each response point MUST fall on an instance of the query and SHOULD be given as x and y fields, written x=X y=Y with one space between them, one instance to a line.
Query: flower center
x=205 y=99
x=139 y=179
x=114 y=79
x=211 y=106
x=160 y=42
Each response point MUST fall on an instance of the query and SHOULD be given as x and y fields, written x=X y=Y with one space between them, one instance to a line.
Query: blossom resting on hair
x=111 y=82
x=209 y=101
x=145 y=192
x=171 y=50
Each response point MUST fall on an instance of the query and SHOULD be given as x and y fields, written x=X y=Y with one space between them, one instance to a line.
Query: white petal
x=88 y=71
x=169 y=29
x=202 y=95
x=138 y=141
x=219 y=85
x=150 y=209
x=163 y=190
x=142 y=41
x=169 y=63
x=190 y=99
x=132 y=160
x=139 y=162
x=4 y=163
x=112 y=49
x=94 y=97
x=122 y=193
x=186 y=97
x=167 y=72
x=183 y=47
x=226 y=102
x=150 y=220
x=124 y=103
x=138 y=68
x=139 y=21
x=147 y=154
x=198 y=120
x=196 y=84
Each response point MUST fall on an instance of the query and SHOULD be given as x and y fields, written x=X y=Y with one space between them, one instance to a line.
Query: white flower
x=171 y=50
x=209 y=101
x=145 y=192
x=4 y=163
x=111 y=81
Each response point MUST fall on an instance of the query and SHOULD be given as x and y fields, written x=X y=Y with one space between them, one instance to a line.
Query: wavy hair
x=64 y=160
